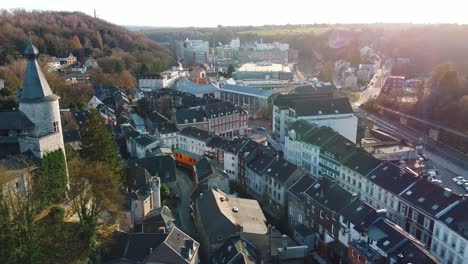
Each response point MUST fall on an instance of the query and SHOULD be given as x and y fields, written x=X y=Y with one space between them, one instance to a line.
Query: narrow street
x=185 y=188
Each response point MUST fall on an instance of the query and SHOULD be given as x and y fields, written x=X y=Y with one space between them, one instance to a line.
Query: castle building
x=36 y=125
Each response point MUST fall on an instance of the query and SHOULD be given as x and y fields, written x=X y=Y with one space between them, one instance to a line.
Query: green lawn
x=287 y=31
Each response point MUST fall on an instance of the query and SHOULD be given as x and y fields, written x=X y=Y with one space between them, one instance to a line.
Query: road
x=375 y=84
x=263 y=135
x=185 y=188
x=439 y=159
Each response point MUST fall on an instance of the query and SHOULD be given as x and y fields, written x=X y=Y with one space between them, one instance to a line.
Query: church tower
x=41 y=106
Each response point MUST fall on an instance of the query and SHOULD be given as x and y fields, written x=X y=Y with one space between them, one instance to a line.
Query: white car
x=460 y=183
x=436 y=181
x=458 y=178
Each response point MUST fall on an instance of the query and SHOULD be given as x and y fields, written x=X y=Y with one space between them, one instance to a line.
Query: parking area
x=445 y=175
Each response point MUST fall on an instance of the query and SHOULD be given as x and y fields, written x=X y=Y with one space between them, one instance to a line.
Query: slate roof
x=260 y=163
x=323 y=106
x=221 y=109
x=237 y=250
x=357 y=211
x=301 y=127
x=15 y=120
x=175 y=248
x=156 y=117
x=185 y=85
x=161 y=166
x=280 y=170
x=35 y=86
x=196 y=133
x=136 y=177
x=145 y=140
x=362 y=162
x=156 y=220
x=340 y=147
x=301 y=186
x=190 y=115
x=409 y=252
x=246 y=90
x=128 y=131
x=330 y=194
x=319 y=137
x=392 y=178
x=80 y=117
x=134 y=247
x=70 y=136
x=457 y=218
x=429 y=197
x=387 y=236
x=203 y=169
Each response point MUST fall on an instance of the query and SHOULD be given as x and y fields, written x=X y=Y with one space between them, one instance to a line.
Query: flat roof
x=246 y=90
x=264 y=67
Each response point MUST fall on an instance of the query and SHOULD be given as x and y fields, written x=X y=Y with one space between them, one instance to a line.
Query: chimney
x=189 y=244
x=151 y=250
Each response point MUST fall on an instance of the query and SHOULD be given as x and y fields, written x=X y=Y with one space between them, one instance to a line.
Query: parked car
x=260 y=128
x=424 y=157
x=436 y=181
x=457 y=179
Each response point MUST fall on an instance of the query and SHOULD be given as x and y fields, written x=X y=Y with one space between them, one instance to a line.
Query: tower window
x=56 y=126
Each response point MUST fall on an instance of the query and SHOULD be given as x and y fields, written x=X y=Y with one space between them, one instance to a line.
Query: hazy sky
x=179 y=13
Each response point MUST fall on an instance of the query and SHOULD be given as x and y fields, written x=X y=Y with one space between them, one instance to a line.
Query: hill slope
x=55 y=32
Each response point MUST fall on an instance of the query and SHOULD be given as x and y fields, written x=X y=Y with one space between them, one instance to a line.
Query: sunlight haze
x=210 y=13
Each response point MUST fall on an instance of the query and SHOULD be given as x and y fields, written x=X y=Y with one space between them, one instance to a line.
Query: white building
x=335 y=113
x=195 y=51
x=450 y=237
x=153 y=82
x=193 y=140
x=41 y=107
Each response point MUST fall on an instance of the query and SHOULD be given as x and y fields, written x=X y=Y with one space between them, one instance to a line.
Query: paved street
x=185 y=188
x=254 y=124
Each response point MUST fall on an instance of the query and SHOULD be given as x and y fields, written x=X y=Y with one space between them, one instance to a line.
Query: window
x=424 y=238
x=434 y=246
x=413 y=230
x=445 y=237
x=333 y=230
x=300 y=218
x=321 y=214
x=436 y=232
x=427 y=222
x=453 y=243
x=415 y=216
x=56 y=126
x=461 y=248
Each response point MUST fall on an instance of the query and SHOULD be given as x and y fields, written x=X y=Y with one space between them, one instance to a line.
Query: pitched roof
x=156 y=221
x=178 y=247
x=429 y=197
x=192 y=115
x=457 y=218
x=35 y=86
x=223 y=214
x=409 y=252
x=161 y=166
x=195 y=133
x=386 y=235
x=357 y=211
x=246 y=90
x=320 y=136
x=221 y=109
x=136 y=177
x=236 y=250
x=14 y=120
x=301 y=127
x=298 y=188
x=134 y=247
x=316 y=88
x=203 y=169
x=322 y=106
x=362 y=162
x=330 y=194
x=280 y=170
x=260 y=163
x=392 y=178
x=70 y=136
x=339 y=148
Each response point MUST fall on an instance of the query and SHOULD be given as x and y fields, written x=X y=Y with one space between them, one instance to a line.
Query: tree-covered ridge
x=57 y=32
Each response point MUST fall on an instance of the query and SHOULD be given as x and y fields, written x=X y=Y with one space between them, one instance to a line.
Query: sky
x=210 y=13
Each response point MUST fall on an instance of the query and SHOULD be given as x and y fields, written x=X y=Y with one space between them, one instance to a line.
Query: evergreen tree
x=97 y=144
x=230 y=70
x=52 y=182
